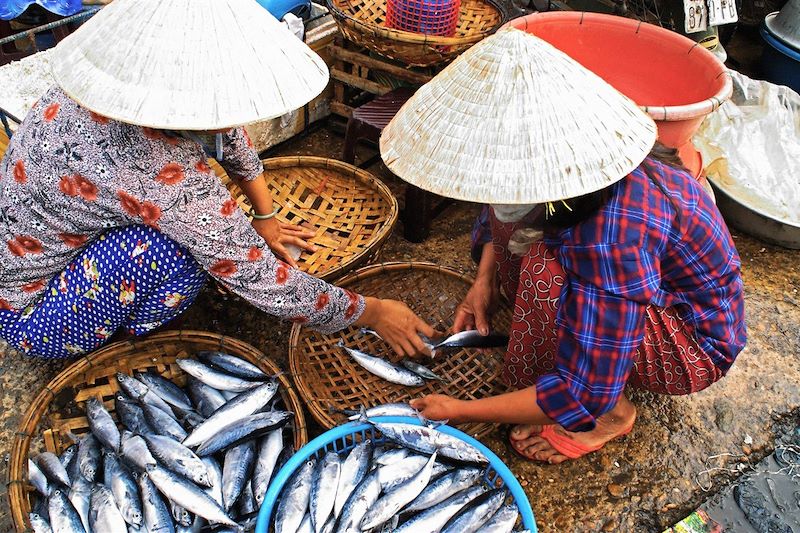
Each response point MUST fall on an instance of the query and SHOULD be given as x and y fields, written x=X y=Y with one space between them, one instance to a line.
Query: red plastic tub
x=675 y=80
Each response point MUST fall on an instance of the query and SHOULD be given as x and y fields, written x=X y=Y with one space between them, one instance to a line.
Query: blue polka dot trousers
x=133 y=277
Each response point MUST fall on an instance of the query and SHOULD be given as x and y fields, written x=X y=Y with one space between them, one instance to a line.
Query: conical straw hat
x=515 y=121
x=187 y=64
x=785 y=24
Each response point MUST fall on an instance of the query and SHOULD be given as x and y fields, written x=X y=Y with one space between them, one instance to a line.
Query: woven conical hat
x=515 y=121
x=187 y=64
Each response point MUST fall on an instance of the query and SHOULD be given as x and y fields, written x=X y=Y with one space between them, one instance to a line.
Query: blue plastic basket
x=344 y=437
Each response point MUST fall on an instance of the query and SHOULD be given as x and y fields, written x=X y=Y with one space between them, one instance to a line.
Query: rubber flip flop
x=562 y=444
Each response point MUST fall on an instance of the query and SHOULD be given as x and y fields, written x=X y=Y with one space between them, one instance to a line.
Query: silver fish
x=188 y=496
x=181 y=516
x=470 y=339
x=135 y=452
x=102 y=424
x=232 y=365
x=178 y=458
x=388 y=409
x=63 y=516
x=214 y=378
x=247 y=502
x=425 y=439
x=206 y=399
x=383 y=368
x=162 y=423
x=402 y=469
x=503 y=521
x=434 y=518
x=324 y=484
x=438 y=469
x=388 y=457
x=354 y=468
x=131 y=415
x=52 y=468
x=443 y=487
x=39 y=523
x=123 y=488
x=141 y=392
x=215 y=478
x=103 y=512
x=167 y=390
x=196 y=527
x=80 y=496
x=229 y=395
x=361 y=499
x=190 y=418
x=388 y=505
x=247 y=428
x=305 y=526
x=157 y=518
x=420 y=370
x=294 y=501
x=329 y=526
x=89 y=457
x=236 y=471
x=243 y=405
x=67 y=458
x=477 y=512
x=269 y=449
x=38 y=479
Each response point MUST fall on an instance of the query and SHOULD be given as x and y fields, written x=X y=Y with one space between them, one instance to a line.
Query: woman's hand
x=441 y=407
x=397 y=324
x=278 y=235
x=475 y=312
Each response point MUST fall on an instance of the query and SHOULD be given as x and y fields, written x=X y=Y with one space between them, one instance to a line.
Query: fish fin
x=433 y=424
x=279 y=374
x=73 y=437
x=362 y=414
x=340 y=344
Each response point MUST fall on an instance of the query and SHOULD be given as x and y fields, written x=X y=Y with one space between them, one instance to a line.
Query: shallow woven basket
x=362 y=22
x=352 y=212
x=328 y=379
x=58 y=408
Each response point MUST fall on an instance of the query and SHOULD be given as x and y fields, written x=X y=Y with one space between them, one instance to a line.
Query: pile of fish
x=420 y=480
x=174 y=460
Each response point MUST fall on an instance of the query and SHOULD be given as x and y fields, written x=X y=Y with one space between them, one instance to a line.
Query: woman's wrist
x=372 y=309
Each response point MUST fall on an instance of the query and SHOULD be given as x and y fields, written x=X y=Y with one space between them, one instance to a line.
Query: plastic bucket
x=780 y=62
x=344 y=437
x=428 y=17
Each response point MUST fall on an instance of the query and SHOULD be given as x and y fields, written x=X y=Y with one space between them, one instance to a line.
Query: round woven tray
x=58 y=408
x=352 y=212
x=362 y=22
x=328 y=379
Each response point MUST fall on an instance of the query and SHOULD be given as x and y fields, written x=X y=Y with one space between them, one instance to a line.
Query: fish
x=131 y=415
x=215 y=479
x=470 y=339
x=243 y=405
x=198 y=523
x=477 y=512
x=329 y=526
x=157 y=517
x=361 y=499
x=247 y=502
x=214 y=378
x=162 y=423
x=80 y=496
x=236 y=471
x=269 y=449
x=425 y=439
x=89 y=457
x=444 y=486
x=389 y=504
x=103 y=512
x=228 y=395
x=67 y=458
x=189 y=418
x=39 y=524
x=141 y=392
x=391 y=456
x=167 y=390
x=206 y=399
x=434 y=518
x=247 y=428
x=503 y=521
x=38 y=479
x=383 y=368
x=306 y=526
x=123 y=488
x=64 y=518
x=420 y=370
x=233 y=365
x=102 y=424
x=51 y=467
x=178 y=458
x=294 y=501
x=324 y=484
x=388 y=409
x=181 y=516
x=401 y=470
x=353 y=470
x=134 y=451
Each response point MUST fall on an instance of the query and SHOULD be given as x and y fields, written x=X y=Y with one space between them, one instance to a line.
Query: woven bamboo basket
x=362 y=22
x=352 y=212
x=58 y=409
x=329 y=380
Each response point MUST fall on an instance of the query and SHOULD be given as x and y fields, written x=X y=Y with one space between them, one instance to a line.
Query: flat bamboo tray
x=352 y=211
x=58 y=408
x=328 y=379
x=362 y=22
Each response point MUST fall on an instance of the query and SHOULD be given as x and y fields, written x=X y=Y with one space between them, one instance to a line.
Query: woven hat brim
x=187 y=64
x=515 y=121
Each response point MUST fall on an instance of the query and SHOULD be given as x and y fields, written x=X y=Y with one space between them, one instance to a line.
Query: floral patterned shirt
x=69 y=175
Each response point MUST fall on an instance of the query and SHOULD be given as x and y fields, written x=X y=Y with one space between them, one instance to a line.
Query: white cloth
x=511 y=213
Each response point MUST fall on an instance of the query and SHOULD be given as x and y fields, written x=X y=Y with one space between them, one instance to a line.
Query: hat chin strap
x=506 y=213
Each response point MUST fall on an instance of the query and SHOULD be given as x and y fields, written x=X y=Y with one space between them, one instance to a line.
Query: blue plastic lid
x=779 y=45
x=10 y=9
x=279 y=8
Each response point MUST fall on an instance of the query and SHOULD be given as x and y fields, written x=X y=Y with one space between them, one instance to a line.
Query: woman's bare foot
x=527 y=441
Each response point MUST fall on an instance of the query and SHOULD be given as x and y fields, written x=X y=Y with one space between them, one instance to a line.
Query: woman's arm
x=479 y=303
x=517 y=407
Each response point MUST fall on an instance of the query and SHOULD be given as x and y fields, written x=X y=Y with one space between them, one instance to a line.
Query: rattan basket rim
x=26 y=432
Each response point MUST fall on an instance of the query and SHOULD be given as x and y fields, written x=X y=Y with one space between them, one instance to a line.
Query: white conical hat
x=187 y=64
x=515 y=121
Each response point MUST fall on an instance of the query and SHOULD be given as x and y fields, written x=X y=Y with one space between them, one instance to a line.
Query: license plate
x=695 y=15
x=722 y=12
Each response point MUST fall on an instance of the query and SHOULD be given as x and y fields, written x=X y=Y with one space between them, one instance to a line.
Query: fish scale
x=324 y=483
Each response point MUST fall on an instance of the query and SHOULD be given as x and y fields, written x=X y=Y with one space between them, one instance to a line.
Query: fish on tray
x=383 y=368
x=463 y=339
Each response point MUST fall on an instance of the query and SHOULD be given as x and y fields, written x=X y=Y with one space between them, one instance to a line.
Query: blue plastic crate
x=344 y=437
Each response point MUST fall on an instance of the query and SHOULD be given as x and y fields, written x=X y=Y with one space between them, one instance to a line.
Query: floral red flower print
x=150 y=213
x=282 y=274
x=5 y=306
x=19 y=172
x=351 y=309
x=202 y=166
x=86 y=188
x=171 y=174
x=130 y=205
x=223 y=268
x=29 y=244
x=73 y=240
x=298 y=319
x=228 y=208
x=247 y=138
x=34 y=286
x=51 y=111
x=68 y=186
x=254 y=254
x=100 y=119
x=16 y=248
x=322 y=301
